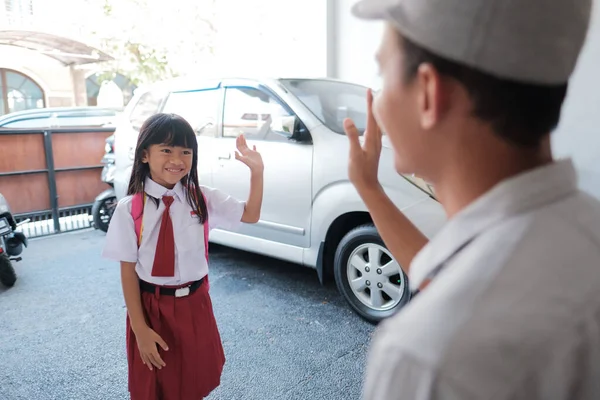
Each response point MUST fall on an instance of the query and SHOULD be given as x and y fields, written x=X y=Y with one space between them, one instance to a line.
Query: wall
x=271 y=38
x=356 y=46
x=54 y=78
x=578 y=134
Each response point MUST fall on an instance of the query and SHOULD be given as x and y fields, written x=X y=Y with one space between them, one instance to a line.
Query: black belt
x=165 y=291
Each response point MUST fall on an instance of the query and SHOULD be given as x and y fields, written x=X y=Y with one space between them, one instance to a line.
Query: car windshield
x=332 y=101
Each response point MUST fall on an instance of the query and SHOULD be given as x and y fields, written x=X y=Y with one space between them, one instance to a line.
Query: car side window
x=198 y=107
x=257 y=115
x=146 y=106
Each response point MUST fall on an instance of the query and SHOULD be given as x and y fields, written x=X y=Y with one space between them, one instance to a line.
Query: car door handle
x=225 y=156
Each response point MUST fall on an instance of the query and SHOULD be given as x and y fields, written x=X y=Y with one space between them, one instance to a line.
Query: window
x=19 y=92
x=198 y=107
x=257 y=115
x=18 y=11
x=331 y=101
x=146 y=106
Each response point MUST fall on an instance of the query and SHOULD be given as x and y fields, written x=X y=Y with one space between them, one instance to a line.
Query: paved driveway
x=285 y=336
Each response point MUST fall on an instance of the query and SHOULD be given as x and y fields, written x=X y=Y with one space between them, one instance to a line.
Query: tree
x=151 y=41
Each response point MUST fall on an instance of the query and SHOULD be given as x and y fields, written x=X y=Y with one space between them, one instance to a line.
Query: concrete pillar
x=79 y=89
x=332 y=38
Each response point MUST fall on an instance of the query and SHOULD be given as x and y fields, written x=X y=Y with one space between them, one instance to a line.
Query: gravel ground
x=285 y=336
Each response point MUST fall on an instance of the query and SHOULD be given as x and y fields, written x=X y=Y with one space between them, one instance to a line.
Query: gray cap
x=533 y=41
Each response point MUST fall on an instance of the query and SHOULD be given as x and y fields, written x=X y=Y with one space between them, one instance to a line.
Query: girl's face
x=168 y=164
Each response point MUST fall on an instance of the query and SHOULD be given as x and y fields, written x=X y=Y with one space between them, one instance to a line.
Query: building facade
x=41 y=66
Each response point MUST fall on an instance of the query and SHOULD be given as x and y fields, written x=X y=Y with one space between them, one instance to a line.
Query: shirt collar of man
x=520 y=194
x=158 y=191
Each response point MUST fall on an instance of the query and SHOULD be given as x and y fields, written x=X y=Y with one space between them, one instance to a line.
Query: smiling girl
x=159 y=233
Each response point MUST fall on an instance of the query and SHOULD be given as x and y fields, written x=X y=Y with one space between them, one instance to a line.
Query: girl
x=159 y=233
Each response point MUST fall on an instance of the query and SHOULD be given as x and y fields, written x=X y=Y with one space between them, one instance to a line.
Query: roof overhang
x=67 y=51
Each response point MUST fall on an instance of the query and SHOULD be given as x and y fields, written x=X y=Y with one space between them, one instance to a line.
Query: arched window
x=19 y=92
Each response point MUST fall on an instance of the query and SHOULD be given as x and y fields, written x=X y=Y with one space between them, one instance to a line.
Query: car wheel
x=368 y=276
x=8 y=277
x=102 y=212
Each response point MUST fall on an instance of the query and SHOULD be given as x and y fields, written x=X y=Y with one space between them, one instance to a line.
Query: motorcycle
x=106 y=202
x=11 y=244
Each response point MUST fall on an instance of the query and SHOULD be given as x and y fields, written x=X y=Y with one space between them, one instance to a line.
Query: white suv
x=311 y=213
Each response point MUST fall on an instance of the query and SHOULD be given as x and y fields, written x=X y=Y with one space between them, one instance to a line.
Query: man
x=510 y=299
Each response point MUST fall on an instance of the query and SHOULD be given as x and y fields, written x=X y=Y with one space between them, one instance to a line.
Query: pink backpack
x=137 y=212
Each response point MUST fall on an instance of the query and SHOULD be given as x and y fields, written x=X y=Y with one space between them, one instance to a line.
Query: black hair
x=520 y=113
x=169 y=130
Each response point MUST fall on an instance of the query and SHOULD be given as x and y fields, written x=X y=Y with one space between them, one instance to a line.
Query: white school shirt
x=224 y=211
x=515 y=311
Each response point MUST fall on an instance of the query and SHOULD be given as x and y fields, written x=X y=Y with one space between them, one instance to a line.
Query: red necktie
x=164 y=259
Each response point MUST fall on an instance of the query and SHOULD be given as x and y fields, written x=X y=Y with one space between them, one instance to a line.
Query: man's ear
x=431 y=96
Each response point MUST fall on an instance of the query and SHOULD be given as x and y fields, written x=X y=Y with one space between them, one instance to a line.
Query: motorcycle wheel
x=102 y=212
x=8 y=276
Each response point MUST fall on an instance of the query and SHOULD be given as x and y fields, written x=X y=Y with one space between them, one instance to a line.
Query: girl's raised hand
x=248 y=156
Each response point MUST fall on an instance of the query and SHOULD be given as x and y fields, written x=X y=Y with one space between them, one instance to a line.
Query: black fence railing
x=50 y=177
x=42 y=223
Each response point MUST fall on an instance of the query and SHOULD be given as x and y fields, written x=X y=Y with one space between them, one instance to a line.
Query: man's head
x=457 y=73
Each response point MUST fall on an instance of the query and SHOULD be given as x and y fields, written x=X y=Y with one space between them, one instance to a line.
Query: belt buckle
x=182 y=292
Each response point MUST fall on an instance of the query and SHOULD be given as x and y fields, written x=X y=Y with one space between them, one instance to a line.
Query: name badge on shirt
x=194 y=214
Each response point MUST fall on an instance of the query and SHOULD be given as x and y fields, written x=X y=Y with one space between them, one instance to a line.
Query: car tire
x=375 y=289
x=8 y=276
x=102 y=212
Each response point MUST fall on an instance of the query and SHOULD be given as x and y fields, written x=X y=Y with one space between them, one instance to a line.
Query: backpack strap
x=137 y=212
x=206 y=229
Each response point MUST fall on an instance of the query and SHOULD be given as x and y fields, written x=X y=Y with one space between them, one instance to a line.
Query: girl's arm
x=253 y=160
x=251 y=213
x=133 y=297
x=146 y=338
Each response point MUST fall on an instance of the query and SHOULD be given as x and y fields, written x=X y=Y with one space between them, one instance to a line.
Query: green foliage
x=132 y=31
x=137 y=61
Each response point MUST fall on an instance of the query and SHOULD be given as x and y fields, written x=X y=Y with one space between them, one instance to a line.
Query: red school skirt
x=195 y=359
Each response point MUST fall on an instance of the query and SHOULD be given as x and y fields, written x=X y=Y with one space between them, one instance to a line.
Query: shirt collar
x=158 y=191
x=516 y=195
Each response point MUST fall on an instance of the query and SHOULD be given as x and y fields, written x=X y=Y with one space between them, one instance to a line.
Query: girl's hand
x=147 y=340
x=250 y=157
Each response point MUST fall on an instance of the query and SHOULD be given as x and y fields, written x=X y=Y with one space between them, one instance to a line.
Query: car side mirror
x=301 y=133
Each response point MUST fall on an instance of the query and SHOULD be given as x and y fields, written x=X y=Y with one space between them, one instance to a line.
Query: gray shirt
x=513 y=311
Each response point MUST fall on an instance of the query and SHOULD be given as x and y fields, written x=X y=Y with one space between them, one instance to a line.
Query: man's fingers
x=353 y=134
x=372 y=133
